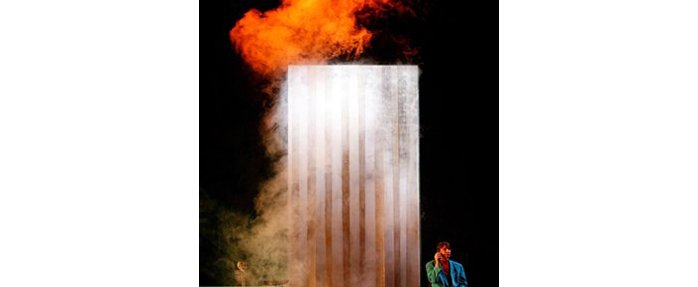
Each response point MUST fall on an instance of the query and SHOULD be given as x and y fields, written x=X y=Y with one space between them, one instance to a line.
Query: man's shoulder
x=456 y=264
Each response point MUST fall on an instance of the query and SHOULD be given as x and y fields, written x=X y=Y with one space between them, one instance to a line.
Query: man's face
x=445 y=253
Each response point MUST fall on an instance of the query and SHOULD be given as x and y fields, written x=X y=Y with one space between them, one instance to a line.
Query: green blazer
x=437 y=278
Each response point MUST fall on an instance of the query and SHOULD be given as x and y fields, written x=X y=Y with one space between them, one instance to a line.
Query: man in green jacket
x=443 y=272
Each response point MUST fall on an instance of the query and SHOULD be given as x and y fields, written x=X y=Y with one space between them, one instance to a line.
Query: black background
x=457 y=54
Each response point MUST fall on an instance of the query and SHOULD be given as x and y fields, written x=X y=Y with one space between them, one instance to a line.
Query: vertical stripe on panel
x=379 y=141
x=293 y=172
x=311 y=207
x=327 y=93
x=337 y=186
x=320 y=180
x=345 y=178
x=404 y=162
x=412 y=100
x=354 y=208
x=302 y=107
x=361 y=97
x=395 y=152
x=388 y=155
x=370 y=85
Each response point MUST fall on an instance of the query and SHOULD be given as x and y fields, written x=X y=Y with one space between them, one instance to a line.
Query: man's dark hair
x=443 y=244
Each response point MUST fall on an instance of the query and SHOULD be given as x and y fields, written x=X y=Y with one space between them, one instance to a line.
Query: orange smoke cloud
x=300 y=32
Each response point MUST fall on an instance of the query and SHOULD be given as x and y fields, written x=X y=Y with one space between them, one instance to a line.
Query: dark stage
x=455 y=46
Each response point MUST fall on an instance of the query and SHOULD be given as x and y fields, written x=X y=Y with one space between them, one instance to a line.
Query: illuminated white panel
x=353 y=139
